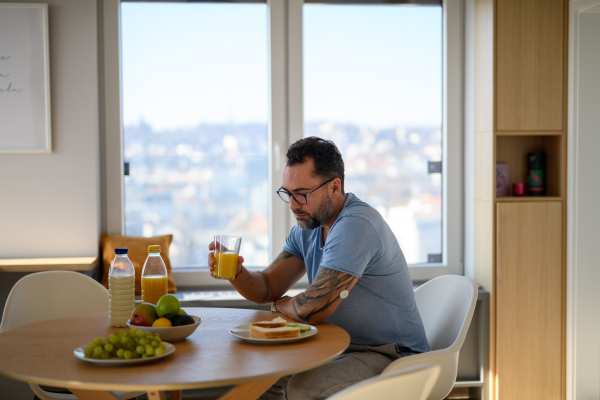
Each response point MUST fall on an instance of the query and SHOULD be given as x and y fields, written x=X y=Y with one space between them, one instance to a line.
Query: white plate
x=173 y=333
x=169 y=349
x=243 y=332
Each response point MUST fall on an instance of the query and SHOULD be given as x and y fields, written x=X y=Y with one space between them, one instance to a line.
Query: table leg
x=156 y=395
x=94 y=394
x=175 y=395
x=248 y=391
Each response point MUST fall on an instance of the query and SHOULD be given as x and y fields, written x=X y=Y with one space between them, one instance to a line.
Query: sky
x=185 y=64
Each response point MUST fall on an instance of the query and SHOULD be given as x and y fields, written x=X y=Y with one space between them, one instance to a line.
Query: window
x=223 y=89
x=373 y=85
x=195 y=126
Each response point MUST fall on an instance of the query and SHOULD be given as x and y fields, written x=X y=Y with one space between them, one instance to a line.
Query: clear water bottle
x=121 y=289
x=154 y=276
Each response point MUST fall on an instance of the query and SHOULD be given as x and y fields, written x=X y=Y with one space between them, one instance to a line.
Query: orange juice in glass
x=227 y=249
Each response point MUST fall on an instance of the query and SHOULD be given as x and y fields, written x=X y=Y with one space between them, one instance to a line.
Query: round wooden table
x=42 y=353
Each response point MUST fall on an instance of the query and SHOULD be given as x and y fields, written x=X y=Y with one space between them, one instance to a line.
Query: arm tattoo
x=267 y=289
x=322 y=293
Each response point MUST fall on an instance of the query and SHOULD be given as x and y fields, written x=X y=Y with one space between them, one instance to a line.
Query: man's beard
x=322 y=215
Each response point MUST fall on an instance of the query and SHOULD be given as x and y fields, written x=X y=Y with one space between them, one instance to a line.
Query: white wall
x=49 y=204
x=583 y=313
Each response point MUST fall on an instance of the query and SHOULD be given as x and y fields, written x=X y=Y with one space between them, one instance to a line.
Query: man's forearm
x=320 y=300
x=254 y=286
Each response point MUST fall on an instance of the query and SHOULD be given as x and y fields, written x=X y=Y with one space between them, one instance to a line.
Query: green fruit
x=144 y=315
x=181 y=312
x=167 y=306
x=182 y=320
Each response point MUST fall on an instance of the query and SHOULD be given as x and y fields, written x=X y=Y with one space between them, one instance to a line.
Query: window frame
x=286 y=125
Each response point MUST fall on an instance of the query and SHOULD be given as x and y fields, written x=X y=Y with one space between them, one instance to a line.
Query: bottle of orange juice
x=154 y=276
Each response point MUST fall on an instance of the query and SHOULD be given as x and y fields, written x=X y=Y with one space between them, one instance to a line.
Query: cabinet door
x=529 y=259
x=529 y=65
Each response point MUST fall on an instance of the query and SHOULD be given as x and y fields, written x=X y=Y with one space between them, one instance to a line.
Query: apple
x=144 y=315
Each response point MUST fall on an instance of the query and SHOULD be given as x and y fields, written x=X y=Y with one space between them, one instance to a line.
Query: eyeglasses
x=300 y=198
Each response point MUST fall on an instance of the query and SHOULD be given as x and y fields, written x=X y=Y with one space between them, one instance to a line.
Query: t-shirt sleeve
x=292 y=243
x=351 y=245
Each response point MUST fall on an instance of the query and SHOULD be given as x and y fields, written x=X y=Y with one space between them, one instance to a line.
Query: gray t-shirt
x=381 y=307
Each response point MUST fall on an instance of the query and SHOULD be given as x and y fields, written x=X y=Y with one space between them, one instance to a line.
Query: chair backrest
x=54 y=294
x=446 y=305
x=412 y=383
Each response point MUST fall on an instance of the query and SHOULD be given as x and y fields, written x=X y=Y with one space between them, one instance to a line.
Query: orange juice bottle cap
x=154 y=248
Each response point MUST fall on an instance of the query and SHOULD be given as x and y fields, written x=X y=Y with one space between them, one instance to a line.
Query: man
x=358 y=276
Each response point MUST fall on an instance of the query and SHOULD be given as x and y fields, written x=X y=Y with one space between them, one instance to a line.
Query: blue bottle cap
x=121 y=250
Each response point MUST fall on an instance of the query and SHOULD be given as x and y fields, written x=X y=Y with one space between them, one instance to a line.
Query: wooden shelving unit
x=520 y=242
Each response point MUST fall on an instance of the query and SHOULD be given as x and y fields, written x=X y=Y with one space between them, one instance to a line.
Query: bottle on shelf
x=154 y=276
x=121 y=289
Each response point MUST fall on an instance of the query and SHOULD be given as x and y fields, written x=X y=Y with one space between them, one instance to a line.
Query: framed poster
x=24 y=79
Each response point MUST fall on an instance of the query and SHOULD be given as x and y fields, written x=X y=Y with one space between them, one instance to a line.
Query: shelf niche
x=513 y=150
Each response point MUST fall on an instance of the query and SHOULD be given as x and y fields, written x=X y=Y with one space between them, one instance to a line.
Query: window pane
x=373 y=85
x=195 y=126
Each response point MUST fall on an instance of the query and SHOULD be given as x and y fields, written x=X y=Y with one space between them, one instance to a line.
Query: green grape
x=98 y=351
x=128 y=344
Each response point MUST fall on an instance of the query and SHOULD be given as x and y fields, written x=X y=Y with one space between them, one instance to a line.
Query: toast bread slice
x=274 y=333
x=276 y=323
x=268 y=324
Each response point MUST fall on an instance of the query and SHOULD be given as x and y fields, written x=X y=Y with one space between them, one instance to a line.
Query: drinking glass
x=227 y=249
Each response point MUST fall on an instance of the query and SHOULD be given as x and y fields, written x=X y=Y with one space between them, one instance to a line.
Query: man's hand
x=211 y=261
x=281 y=301
x=320 y=300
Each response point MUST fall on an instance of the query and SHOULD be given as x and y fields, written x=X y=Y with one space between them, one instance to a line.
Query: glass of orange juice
x=227 y=249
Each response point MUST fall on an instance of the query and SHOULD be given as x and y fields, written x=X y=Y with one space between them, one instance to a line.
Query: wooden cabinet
x=529 y=263
x=530 y=56
x=520 y=107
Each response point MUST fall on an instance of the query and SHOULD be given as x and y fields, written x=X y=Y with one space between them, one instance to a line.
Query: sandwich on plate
x=277 y=329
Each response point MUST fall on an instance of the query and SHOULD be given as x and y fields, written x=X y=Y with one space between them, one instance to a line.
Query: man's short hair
x=325 y=154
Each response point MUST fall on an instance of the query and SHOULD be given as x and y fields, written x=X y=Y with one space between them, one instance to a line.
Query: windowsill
x=199 y=279
x=48 y=264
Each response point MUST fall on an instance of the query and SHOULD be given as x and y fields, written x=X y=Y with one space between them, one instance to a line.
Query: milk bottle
x=121 y=289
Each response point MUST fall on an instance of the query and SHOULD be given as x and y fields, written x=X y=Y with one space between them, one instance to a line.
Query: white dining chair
x=446 y=305
x=412 y=383
x=55 y=294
